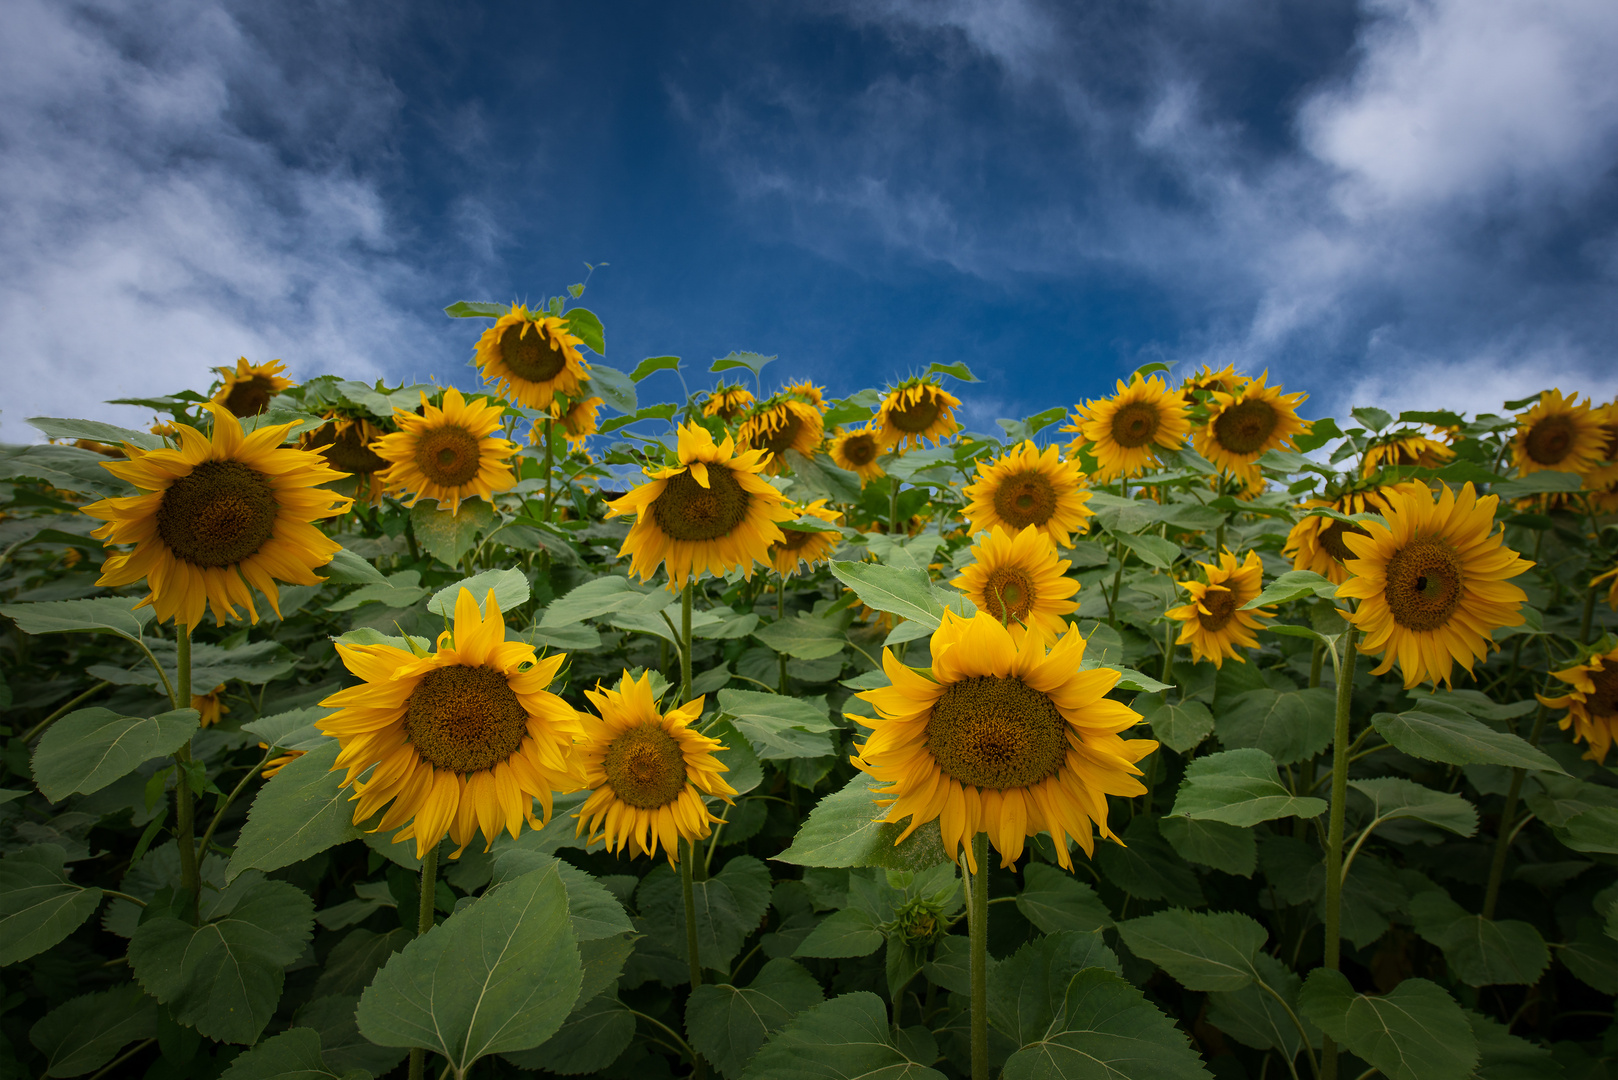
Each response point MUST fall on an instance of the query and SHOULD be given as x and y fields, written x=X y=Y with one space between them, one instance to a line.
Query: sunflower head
x=211 y=705
x=248 y=388
x=780 y=424
x=531 y=357
x=1316 y=543
x=727 y=402
x=1003 y=736
x=578 y=421
x=1591 y=704
x=806 y=392
x=449 y=453
x=915 y=410
x=1245 y=424
x=1019 y=580
x=457 y=741
x=1405 y=449
x=1029 y=486
x=1214 y=620
x=1559 y=433
x=1206 y=380
x=1126 y=432
x=858 y=451
x=804 y=547
x=218 y=517
x=345 y=442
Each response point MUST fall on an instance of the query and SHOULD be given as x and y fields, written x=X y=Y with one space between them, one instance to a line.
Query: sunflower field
x=544 y=729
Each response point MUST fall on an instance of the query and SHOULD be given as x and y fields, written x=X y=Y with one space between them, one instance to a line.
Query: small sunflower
x=1406 y=450
x=211 y=705
x=447 y=453
x=647 y=772
x=578 y=420
x=1125 y=431
x=803 y=546
x=1019 y=580
x=806 y=392
x=219 y=515
x=915 y=410
x=1224 y=381
x=249 y=387
x=1559 y=433
x=531 y=357
x=1246 y=423
x=711 y=512
x=1604 y=478
x=461 y=739
x=1592 y=704
x=857 y=452
x=1003 y=736
x=1029 y=487
x=1214 y=620
x=1432 y=582
x=778 y=425
x=1316 y=543
x=345 y=443
x=727 y=402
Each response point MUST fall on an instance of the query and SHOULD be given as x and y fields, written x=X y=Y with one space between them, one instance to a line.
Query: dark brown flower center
x=795 y=538
x=530 y=353
x=251 y=396
x=1550 y=440
x=1604 y=702
x=1331 y=539
x=1008 y=594
x=645 y=767
x=219 y=515
x=347 y=451
x=859 y=450
x=1220 y=605
x=1246 y=427
x=465 y=718
x=448 y=455
x=688 y=511
x=996 y=732
x=1425 y=585
x=915 y=417
x=779 y=440
x=1025 y=499
x=1135 y=424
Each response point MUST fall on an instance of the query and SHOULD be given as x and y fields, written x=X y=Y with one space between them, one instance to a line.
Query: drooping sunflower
x=447 y=453
x=1406 y=449
x=1592 y=704
x=531 y=357
x=1006 y=737
x=219 y=515
x=578 y=420
x=1559 y=433
x=806 y=392
x=1125 y=431
x=462 y=739
x=915 y=410
x=711 y=512
x=1432 y=583
x=345 y=442
x=1246 y=423
x=1029 y=487
x=1214 y=620
x=647 y=772
x=857 y=451
x=211 y=705
x=1019 y=580
x=249 y=387
x=727 y=402
x=1226 y=380
x=1316 y=543
x=804 y=546
x=778 y=425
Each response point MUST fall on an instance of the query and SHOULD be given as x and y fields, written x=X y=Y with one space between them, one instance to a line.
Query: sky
x=1405 y=203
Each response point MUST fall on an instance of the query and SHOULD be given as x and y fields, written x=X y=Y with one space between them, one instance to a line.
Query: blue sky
x=1400 y=202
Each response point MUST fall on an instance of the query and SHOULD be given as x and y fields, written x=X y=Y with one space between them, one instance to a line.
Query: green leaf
x=109 y=614
x=1153 y=550
x=654 y=363
x=583 y=324
x=1545 y=481
x=56 y=428
x=1290 y=725
x=846 y=1038
x=592 y=600
x=1053 y=900
x=1479 y=951
x=842 y=934
x=823 y=479
x=343 y=1049
x=1393 y=798
x=510 y=591
x=593 y=1036
x=751 y=361
x=1449 y=735
x=292 y=1055
x=499 y=975
x=402 y=591
x=728 y=908
x=805 y=636
x=86 y=750
x=1319 y=433
x=301 y=811
x=651 y=412
x=613 y=387
x=1146 y=867
x=1592 y=957
x=39 y=906
x=1594 y=831
x=446 y=536
x=843 y=830
x=1291 y=586
x=85 y=1033
x=1180 y=725
x=1504 y=1056
x=727 y=1025
x=778 y=727
x=1254 y=1018
x=956 y=370
x=1108 y=1031
x=745 y=772
x=472 y=309
x=1212 y=843
x=1239 y=787
x=347 y=568
x=1374 y=419
x=902 y=591
x=1205 y=951
x=1417 y=1032
x=224 y=977
x=1028 y=989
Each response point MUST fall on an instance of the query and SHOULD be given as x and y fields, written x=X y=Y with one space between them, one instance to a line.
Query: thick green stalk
x=978 y=928
x=549 y=424
x=893 y=506
x=185 y=825
x=1589 y=616
x=687 y=892
x=1334 y=834
x=685 y=641
x=1502 y=842
x=1170 y=634
x=780 y=613
x=424 y=923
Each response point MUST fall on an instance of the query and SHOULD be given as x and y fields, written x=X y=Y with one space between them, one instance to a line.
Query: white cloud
x=1477 y=384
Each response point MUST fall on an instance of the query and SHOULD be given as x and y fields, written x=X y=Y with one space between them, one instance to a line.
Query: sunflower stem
x=1117 y=580
x=549 y=424
x=1168 y=651
x=1502 y=842
x=185 y=825
x=1315 y=662
x=39 y=728
x=780 y=613
x=685 y=641
x=978 y=929
x=893 y=506
x=1589 y=616
x=424 y=923
x=1334 y=835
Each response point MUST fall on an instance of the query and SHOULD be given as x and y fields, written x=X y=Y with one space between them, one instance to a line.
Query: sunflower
x=211 y=705
x=1405 y=450
x=249 y=387
x=857 y=452
x=1005 y=736
x=915 y=410
x=779 y=425
x=1604 y=478
x=802 y=545
x=1125 y=431
x=1214 y=620
x=276 y=764
x=711 y=512
x=1316 y=543
x=1019 y=580
x=727 y=402
x=1432 y=582
x=1559 y=433
x=806 y=392
x=1028 y=487
x=578 y=420
x=458 y=740
x=345 y=443
x=218 y=516
x=1224 y=381
x=448 y=453
x=1246 y=423
x=1611 y=578
x=647 y=772
x=1592 y=705
x=531 y=357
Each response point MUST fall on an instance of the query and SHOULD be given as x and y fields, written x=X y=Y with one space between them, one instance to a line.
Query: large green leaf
x=1054 y=900
x=1504 y=1056
x=1028 y=989
x=727 y=1024
x=499 y=975
x=614 y=387
x=902 y=591
x=807 y=637
x=1479 y=951
x=83 y=1034
x=224 y=977
x=1230 y=848
x=1293 y=585
x=594 y=1035
x=301 y=811
x=1107 y=1031
x=1253 y=1016
x=1416 y=1032
x=1213 y=950
x=1436 y=733
x=843 y=830
x=292 y=1055
x=728 y=906
x=846 y=1038
x=448 y=536
x=85 y=751
x=1239 y=787
x=1393 y=799
x=510 y=590
x=1288 y=725
x=1592 y=957
x=60 y=428
x=1180 y=725
x=1146 y=867
x=110 y=614
x=342 y=1047
x=39 y=906
x=778 y=726
x=591 y=600
x=846 y=933
x=347 y=568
